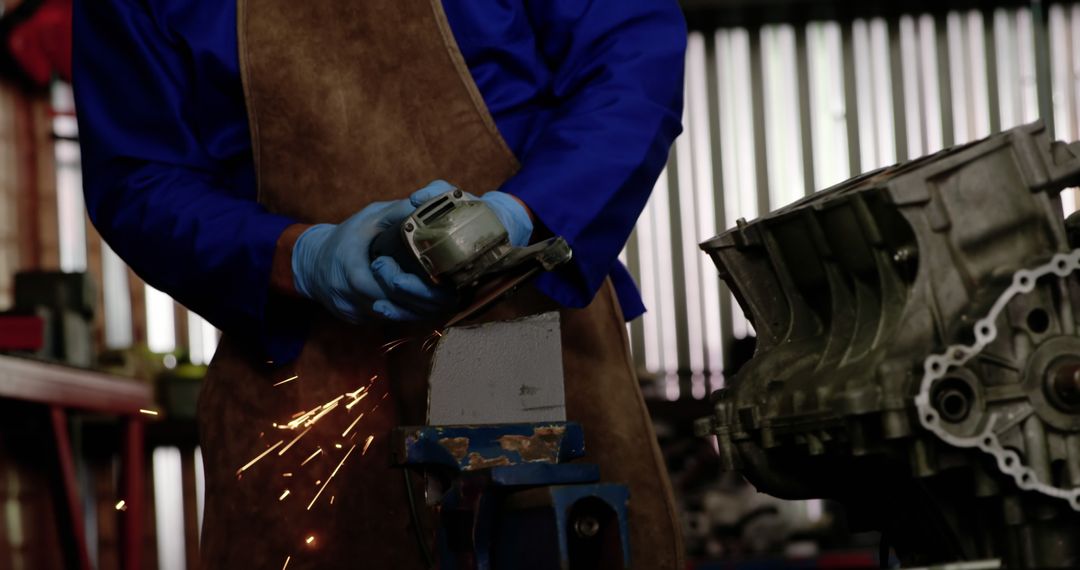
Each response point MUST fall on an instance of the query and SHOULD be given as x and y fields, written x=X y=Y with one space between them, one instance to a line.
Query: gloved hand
x=513 y=215
x=331 y=266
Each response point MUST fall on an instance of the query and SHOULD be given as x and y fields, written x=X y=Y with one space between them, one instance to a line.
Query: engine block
x=918 y=353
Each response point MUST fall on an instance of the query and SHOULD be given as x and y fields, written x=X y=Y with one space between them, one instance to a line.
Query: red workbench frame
x=64 y=388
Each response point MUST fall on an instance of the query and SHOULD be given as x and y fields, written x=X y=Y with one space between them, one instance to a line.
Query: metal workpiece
x=918 y=355
x=499 y=372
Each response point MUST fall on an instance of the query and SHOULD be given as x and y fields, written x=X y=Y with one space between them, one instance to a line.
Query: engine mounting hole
x=1038 y=321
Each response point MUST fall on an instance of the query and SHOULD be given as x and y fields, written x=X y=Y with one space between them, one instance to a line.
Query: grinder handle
x=391 y=243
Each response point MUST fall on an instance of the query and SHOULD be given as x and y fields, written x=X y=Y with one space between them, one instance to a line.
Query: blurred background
x=783 y=97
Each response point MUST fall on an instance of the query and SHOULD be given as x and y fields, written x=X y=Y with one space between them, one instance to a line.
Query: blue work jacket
x=587 y=93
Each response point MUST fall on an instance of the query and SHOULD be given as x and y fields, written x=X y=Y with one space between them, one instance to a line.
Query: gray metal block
x=501 y=372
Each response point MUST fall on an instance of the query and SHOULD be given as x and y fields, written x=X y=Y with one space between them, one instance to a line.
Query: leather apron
x=352 y=102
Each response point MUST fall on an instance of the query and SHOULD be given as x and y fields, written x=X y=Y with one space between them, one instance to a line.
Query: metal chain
x=936 y=365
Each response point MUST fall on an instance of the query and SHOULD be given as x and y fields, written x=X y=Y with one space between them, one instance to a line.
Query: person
x=241 y=156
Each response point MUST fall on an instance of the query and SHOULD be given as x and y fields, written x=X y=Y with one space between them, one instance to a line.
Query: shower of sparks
x=148 y=412
x=310 y=457
x=286 y=565
x=287 y=380
x=352 y=425
x=367 y=443
x=121 y=505
x=256 y=460
x=283 y=495
x=386 y=348
x=295 y=439
x=331 y=477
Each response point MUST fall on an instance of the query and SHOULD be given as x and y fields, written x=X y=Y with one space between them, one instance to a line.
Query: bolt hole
x=929 y=418
x=1038 y=321
x=984 y=330
x=1009 y=462
x=1025 y=281
x=935 y=367
x=1025 y=478
x=1062 y=265
x=954 y=405
x=952 y=399
x=988 y=441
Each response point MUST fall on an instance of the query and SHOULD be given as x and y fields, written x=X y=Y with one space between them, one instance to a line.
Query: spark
x=332 y=499
x=312 y=456
x=319 y=482
x=350 y=405
x=386 y=348
x=286 y=474
x=283 y=495
x=356 y=392
x=309 y=539
x=320 y=415
x=295 y=439
x=333 y=403
x=331 y=477
x=148 y=412
x=337 y=445
x=121 y=505
x=431 y=340
x=261 y=455
x=287 y=380
x=352 y=425
x=367 y=443
x=286 y=565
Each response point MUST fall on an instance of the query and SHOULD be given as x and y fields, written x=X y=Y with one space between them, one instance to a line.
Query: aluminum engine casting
x=918 y=354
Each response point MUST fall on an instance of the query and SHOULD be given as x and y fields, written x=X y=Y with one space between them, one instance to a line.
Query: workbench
x=61 y=390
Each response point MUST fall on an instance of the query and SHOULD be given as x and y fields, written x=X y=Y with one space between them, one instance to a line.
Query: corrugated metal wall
x=779 y=110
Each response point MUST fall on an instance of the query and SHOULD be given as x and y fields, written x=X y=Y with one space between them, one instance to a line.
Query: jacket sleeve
x=618 y=83
x=179 y=212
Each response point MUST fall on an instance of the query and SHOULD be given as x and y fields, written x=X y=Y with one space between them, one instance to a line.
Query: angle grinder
x=455 y=240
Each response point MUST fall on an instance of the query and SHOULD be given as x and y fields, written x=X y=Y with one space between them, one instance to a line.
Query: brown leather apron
x=352 y=102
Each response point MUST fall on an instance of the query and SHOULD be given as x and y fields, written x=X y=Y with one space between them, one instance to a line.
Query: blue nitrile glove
x=514 y=217
x=331 y=266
